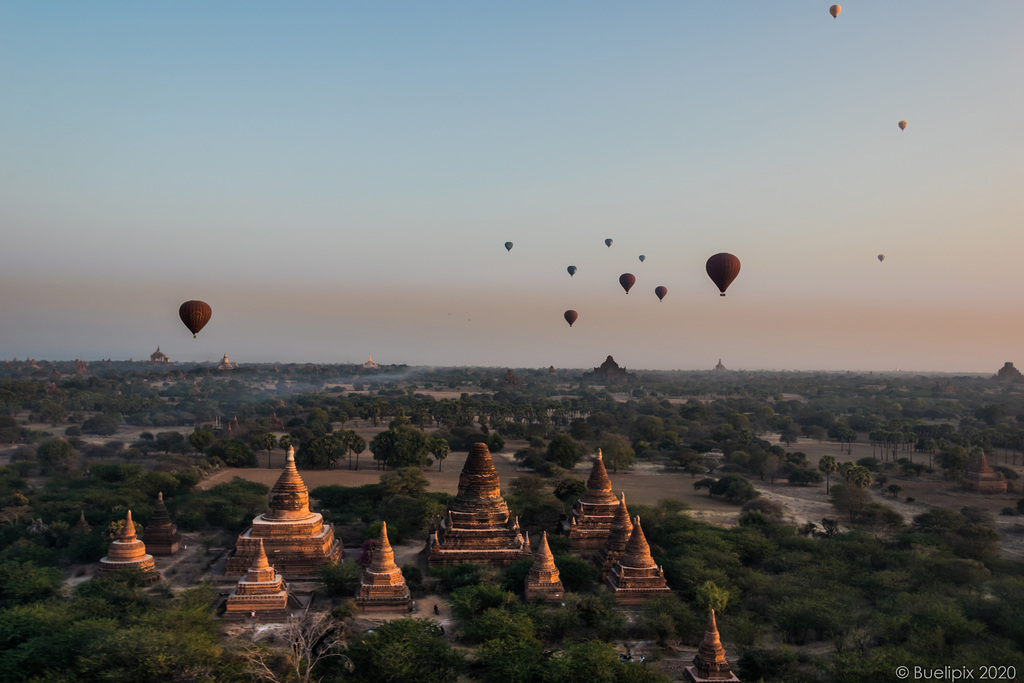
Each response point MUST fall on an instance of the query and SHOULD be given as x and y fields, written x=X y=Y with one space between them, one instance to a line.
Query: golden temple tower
x=260 y=593
x=635 y=576
x=710 y=664
x=128 y=552
x=618 y=536
x=383 y=588
x=543 y=581
x=592 y=514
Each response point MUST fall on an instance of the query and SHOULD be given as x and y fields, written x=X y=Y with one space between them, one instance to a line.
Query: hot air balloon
x=834 y=10
x=195 y=315
x=608 y=242
x=642 y=258
x=570 y=317
x=881 y=257
x=903 y=125
x=508 y=246
x=627 y=280
x=723 y=269
x=661 y=291
x=572 y=270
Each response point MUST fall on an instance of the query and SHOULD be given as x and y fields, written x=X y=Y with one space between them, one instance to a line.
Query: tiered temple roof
x=710 y=663
x=383 y=588
x=980 y=477
x=618 y=536
x=296 y=539
x=635 y=576
x=82 y=526
x=161 y=535
x=261 y=593
x=476 y=527
x=543 y=581
x=592 y=514
x=128 y=552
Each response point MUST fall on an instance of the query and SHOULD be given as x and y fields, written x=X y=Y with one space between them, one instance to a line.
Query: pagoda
x=635 y=576
x=476 y=526
x=710 y=663
x=82 y=526
x=981 y=478
x=296 y=539
x=260 y=593
x=592 y=514
x=128 y=552
x=618 y=536
x=383 y=588
x=543 y=582
x=161 y=535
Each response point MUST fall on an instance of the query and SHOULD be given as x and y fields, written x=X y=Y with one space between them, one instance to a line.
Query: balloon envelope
x=627 y=280
x=834 y=10
x=642 y=258
x=195 y=315
x=881 y=257
x=661 y=291
x=903 y=125
x=572 y=270
x=570 y=317
x=723 y=269
x=508 y=246
x=608 y=242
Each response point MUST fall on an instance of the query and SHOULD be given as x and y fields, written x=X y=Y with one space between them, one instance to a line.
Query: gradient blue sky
x=337 y=179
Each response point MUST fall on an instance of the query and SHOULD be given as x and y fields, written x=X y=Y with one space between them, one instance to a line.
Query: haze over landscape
x=338 y=180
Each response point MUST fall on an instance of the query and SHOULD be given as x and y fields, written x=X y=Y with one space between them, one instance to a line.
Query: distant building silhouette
x=370 y=364
x=158 y=357
x=610 y=372
x=226 y=364
x=720 y=367
x=1008 y=373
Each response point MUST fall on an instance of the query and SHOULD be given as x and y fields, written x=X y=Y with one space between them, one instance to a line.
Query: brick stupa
x=383 y=588
x=260 y=594
x=476 y=526
x=543 y=581
x=296 y=540
x=128 y=552
x=592 y=514
x=710 y=663
x=981 y=478
x=635 y=576
x=618 y=536
x=82 y=526
x=161 y=535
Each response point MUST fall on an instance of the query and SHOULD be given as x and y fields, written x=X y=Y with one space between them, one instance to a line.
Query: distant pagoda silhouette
x=635 y=576
x=543 y=581
x=382 y=587
x=296 y=540
x=128 y=552
x=161 y=535
x=981 y=478
x=710 y=664
x=476 y=526
x=591 y=517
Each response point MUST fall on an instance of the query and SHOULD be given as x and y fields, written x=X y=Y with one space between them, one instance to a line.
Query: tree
x=321 y=452
x=54 y=453
x=404 y=650
x=233 y=452
x=828 y=466
x=849 y=498
x=404 y=481
x=264 y=441
x=311 y=642
x=894 y=489
x=440 y=449
x=564 y=451
x=201 y=438
x=616 y=451
x=706 y=483
x=401 y=446
x=735 y=488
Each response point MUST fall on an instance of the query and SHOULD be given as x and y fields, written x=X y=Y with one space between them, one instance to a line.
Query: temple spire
x=637 y=553
x=261 y=558
x=383 y=554
x=289 y=499
x=599 y=486
x=127 y=534
x=710 y=663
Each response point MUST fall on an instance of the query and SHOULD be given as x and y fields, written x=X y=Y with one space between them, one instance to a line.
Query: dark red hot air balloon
x=570 y=316
x=195 y=315
x=627 y=280
x=723 y=269
x=572 y=270
x=661 y=291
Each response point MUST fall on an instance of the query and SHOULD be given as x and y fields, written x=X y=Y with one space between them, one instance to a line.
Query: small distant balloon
x=903 y=125
x=572 y=270
x=195 y=315
x=834 y=10
x=627 y=280
x=570 y=316
x=881 y=257
x=508 y=246
x=723 y=269
x=608 y=242
x=642 y=258
x=661 y=291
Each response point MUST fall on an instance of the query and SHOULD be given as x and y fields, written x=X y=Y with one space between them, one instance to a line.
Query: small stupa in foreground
x=710 y=664
x=261 y=593
x=161 y=535
x=383 y=588
x=592 y=514
x=543 y=581
x=635 y=576
x=128 y=552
